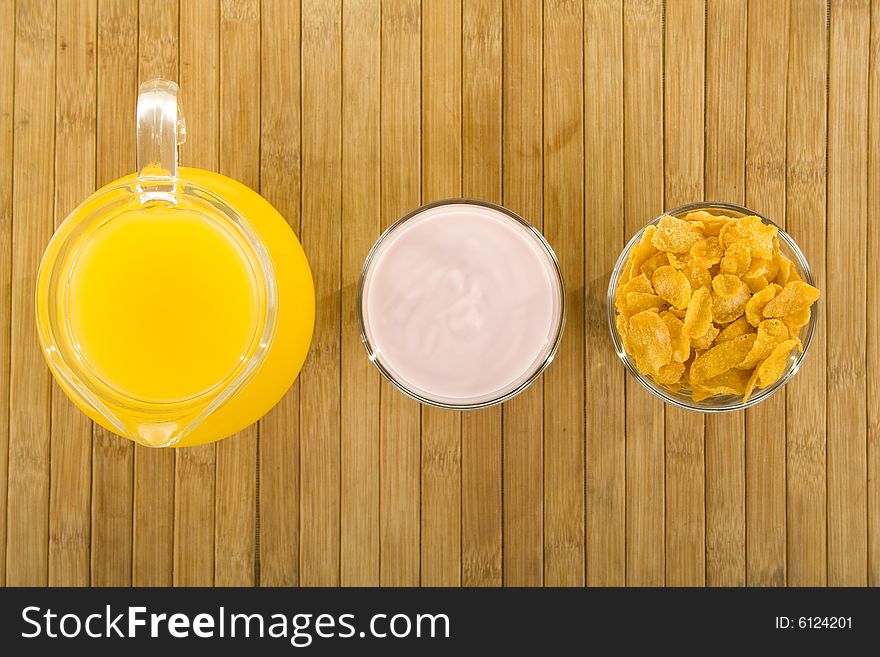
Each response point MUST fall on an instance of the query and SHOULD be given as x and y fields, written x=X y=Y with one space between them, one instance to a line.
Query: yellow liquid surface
x=162 y=304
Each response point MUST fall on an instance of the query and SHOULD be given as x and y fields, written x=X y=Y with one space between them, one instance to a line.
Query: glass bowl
x=718 y=403
x=445 y=211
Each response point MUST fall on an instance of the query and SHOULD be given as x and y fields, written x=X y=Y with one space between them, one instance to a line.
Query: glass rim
x=105 y=396
x=373 y=354
x=667 y=395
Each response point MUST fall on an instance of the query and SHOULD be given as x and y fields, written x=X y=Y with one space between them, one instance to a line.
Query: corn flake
x=721 y=358
x=677 y=261
x=638 y=284
x=700 y=216
x=727 y=286
x=784 y=269
x=755 y=306
x=774 y=365
x=755 y=283
x=794 y=297
x=765 y=267
x=727 y=309
x=653 y=263
x=752 y=232
x=750 y=385
x=636 y=302
x=697 y=275
x=735 y=329
x=699 y=393
x=732 y=382
x=622 y=330
x=698 y=317
x=640 y=253
x=675 y=235
x=737 y=259
x=770 y=333
x=710 y=303
x=712 y=224
x=672 y=286
x=796 y=321
x=650 y=343
x=670 y=374
x=705 y=341
x=707 y=251
x=681 y=343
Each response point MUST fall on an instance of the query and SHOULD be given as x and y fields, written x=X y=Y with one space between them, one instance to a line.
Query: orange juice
x=161 y=304
x=175 y=306
x=144 y=307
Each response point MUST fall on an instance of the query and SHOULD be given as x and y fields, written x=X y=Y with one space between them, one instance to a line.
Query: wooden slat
x=112 y=457
x=805 y=205
x=361 y=219
x=158 y=40
x=153 y=535
x=765 y=193
x=845 y=297
x=239 y=154
x=195 y=467
x=725 y=181
x=71 y=451
x=481 y=178
x=523 y=422
x=321 y=211
x=643 y=180
x=399 y=450
x=584 y=478
x=605 y=388
x=280 y=185
x=441 y=178
x=683 y=111
x=7 y=76
x=873 y=305
x=32 y=212
x=564 y=227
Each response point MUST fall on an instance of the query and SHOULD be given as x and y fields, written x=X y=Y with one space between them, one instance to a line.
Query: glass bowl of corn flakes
x=711 y=306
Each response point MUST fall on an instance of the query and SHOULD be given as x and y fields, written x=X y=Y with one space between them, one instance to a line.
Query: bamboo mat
x=588 y=117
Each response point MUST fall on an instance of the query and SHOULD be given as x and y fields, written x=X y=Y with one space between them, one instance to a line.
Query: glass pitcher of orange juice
x=174 y=306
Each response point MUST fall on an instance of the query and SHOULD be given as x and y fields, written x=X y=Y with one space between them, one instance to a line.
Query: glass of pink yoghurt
x=461 y=304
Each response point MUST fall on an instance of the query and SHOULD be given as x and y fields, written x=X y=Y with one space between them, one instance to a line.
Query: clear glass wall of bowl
x=719 y=403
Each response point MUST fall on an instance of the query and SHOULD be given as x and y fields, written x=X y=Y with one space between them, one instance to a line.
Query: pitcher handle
x=160 y=128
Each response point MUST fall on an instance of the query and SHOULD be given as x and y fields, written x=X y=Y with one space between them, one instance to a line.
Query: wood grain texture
x=684 y=90
x=765 y=193
x=605 y=388
x=725 y=180
x=195 y=469
x=586 y=117
x=280 y=184
x=643 y=182
x=441 y=178
x=71 y=449
x=112 y=459
x=873 y=304
x=399 y=416
x=846 y=297
x=805 y=219
x=564 y=557
x=153 y=536
x=481 y=45
x=7 y=84
x=321 y=213
x=522 y=159
x=359 y=461
x=27 y=502
x=239 y=158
